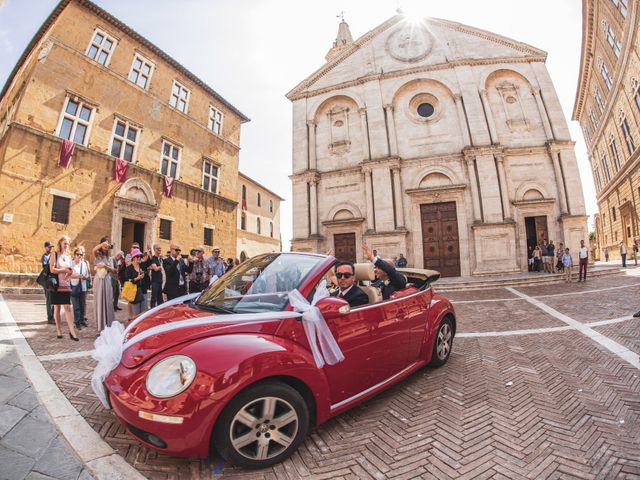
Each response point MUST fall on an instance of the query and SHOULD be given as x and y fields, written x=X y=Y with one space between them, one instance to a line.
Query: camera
x=110 y=246
x=193 y=252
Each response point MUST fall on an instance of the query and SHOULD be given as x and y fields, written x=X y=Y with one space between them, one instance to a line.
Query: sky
x=252 y=52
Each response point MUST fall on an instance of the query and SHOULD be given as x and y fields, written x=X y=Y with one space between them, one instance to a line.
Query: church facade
x=436 y=140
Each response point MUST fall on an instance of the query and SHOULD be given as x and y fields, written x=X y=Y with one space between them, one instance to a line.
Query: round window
x=425 y=110
x=511 y=99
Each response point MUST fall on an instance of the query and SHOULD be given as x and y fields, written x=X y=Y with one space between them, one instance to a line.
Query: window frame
x=271 y=229
x=178 y=98
x=613 y=41
x=615 y=154
x=170 y=159
x=270 y=205
x=605 y=166
x=626 y=133
x=212 y=124
x=599 y=102
x=144 y=60
x=210 y=176
x=258 y=200
x=606 y=76
x=125 y=139
x=168 y=223
x=67 y=206
x=99 y=48
x=204 y=236
x=76 y=119
x=258 y=226
x=243 y=221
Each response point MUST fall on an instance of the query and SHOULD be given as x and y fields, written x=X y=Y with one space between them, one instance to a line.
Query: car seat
x=364 y=272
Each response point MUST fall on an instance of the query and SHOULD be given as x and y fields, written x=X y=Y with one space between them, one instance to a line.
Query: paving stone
x=27 y=400
x=38 y=476
x=9 y=417
x=58 y=462
x=30 y=437
x=85 y=475
x=13 y=465
x=10 y=387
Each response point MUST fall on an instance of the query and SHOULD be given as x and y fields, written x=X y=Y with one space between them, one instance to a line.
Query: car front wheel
x=443 y=343
x=262 y=425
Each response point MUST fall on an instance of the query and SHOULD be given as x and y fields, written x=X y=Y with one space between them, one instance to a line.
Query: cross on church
x=341 y=15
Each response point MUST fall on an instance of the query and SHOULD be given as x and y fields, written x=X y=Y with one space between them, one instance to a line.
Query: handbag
x=48 y=280
x=129 y=292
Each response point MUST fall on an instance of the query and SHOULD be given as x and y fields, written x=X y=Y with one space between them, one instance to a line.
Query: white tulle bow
x=316 y=328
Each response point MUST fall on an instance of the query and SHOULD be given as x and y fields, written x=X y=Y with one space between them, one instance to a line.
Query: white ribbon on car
x=316 y=328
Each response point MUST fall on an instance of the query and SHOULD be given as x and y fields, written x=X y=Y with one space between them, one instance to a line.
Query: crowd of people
x=156 y=277
x=546 y=258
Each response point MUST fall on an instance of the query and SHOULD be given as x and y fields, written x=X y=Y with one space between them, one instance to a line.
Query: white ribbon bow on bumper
x=316 y=327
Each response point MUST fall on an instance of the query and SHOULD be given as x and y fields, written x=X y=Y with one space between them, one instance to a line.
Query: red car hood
x=140 y=347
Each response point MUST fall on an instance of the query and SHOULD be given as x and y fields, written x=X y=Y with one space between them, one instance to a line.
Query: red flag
x=168 y=186
x=66 y=152
x=244 y=204
x=120 y=170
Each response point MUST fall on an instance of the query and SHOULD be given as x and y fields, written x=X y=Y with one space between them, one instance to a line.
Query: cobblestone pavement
x=561 y=400
x=30 y=445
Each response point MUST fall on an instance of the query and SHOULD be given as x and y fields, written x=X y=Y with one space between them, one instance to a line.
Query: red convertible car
x=234 y=369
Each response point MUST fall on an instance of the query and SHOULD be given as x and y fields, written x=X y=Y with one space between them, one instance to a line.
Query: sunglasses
x=176 y=249
x=79 y=254
x=344 y=275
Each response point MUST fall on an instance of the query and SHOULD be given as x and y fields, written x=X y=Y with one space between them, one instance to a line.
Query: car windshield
x=261 y=284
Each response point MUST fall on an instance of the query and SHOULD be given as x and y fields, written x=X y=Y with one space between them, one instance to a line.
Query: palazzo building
x=258 y=219
x=437 y=140
x=88 y=78
x=608 y=108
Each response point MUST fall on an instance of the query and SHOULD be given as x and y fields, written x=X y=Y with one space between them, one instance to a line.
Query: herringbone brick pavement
x=591 y=284
x=550 y=405
x=604 y=304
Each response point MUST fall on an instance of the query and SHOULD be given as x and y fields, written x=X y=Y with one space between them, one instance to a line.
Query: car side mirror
x=333 y=307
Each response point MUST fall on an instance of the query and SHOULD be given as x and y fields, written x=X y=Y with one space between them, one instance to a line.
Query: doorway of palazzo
x=440 y=240
x=536 y=231
x=344 y=246
x=132 y=231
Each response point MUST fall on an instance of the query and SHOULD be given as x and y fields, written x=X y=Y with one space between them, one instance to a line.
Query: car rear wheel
x=262 y=425
x=443 y=343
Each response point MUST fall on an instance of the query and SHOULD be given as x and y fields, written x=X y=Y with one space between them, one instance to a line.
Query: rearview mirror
x=333 y=307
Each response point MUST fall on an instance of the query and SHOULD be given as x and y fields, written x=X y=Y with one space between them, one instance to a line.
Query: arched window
x=244 y=192
x=243 y=222
x=257 y=225
x=271 y=229
x=270 y=206
x=258 y=199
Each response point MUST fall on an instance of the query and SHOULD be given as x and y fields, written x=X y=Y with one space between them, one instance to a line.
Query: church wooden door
x=440 y=245
x=344 y=246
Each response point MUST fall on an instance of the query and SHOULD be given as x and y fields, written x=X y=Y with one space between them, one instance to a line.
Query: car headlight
x=170 y=376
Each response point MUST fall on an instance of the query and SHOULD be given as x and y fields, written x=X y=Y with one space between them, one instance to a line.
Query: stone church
x=437 y=140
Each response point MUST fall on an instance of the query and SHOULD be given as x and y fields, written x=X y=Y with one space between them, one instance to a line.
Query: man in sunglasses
x=174 y=269
x=345 y=273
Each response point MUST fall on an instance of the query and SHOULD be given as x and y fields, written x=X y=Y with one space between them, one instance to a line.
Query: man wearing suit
x=345 y=272
x=392 y=280
x=174 y=269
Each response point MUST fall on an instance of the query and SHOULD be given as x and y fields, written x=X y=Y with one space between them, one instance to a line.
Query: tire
x=262 y=425
x=443 y=343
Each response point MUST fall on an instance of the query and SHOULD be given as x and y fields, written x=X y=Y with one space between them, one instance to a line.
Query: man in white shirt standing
x=583 y=254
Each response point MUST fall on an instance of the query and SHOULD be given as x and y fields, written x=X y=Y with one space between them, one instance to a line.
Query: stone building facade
x=437 y=140
x=89 y=78
x=258 y=219
x=608 y=108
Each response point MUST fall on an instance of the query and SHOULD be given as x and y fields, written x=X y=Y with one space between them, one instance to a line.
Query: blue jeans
x=78 y=302
x=156 y=294
x=47 y=296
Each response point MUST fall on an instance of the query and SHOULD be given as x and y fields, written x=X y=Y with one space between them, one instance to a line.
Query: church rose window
x=425 y=110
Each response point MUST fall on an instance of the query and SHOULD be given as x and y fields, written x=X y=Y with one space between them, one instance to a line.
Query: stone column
x=543 y=113
x=312 y=144
x=462 y=119
x=504 y=188
x=391 y=131
x=313 y=186
x=368 y=192
x=365 y=134
x=487 y=109
x=473 y=183
x=559 y=181
x=397 y=197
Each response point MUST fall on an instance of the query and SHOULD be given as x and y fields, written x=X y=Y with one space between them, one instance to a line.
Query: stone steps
x=460 y=284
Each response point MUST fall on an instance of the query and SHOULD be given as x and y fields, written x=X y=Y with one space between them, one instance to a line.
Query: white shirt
x=584 y=253
x=80 y=269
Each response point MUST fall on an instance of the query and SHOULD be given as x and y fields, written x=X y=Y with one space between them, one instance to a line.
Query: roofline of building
x=588 y=17
x=128 y=31
x=240 y=174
